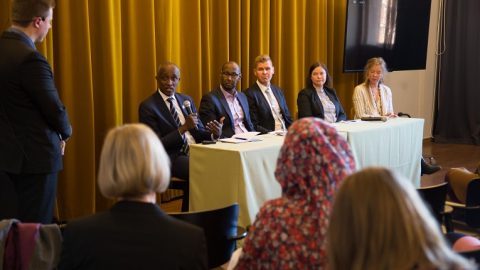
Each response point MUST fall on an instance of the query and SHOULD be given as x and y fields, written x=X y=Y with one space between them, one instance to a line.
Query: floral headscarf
x=289 y=232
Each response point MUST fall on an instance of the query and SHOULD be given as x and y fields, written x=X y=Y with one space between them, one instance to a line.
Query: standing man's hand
x=62 y=146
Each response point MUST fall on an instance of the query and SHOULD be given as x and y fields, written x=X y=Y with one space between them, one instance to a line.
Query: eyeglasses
x=233 y=75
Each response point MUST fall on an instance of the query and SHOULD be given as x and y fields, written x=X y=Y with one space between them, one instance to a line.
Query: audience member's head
x=133 y=163
x=289 y=232
x=313 y=160
x=380 y=222
x=318 y=75
x=374 y=71
x=230 y=75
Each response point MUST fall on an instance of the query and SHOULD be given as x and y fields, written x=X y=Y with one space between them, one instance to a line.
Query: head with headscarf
x=289 y=232
x=313 y=160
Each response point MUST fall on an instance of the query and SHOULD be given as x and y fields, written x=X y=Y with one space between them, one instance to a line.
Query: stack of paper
x=242 y=138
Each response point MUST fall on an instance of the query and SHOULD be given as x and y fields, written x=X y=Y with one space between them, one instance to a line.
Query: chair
x=464 y=196
x=473 y=255
x=177 y=183
x=29 y=245
x=435 y=197
x=221 y=231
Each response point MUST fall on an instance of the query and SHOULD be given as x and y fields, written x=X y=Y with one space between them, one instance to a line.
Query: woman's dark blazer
x=133 y=235
x=309 y=104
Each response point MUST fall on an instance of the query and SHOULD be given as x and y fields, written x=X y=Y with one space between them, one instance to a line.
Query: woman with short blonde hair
x=132 y=153
x=135 y=233
x=380 y=222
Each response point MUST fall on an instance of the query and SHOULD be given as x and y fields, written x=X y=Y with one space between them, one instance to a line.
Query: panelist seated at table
x=379 y=221
x=268 y=107
x=226 y=102
x=319 y=100
x=290 y=232
x=374 y=98
x=135 y=233
x=173 y=117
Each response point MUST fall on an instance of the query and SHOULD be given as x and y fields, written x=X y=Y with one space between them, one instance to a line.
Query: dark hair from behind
x=24 y=11
x=313 y=67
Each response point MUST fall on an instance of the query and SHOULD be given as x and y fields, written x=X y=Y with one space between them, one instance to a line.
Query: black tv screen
x=396 y=30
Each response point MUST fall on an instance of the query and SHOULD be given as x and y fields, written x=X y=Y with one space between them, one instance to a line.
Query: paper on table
x=278 y=132
x=246 y=135
x=242 y=138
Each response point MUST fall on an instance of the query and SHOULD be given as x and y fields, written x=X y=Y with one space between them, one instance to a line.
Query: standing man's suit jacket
x=309 y=104
x=214 y=105
x=133 y=235
x=33 y=120
x=154 y=113
x=260 y=112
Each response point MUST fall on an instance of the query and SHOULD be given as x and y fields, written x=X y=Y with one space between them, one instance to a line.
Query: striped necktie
x=271 y=100
x=185 y=149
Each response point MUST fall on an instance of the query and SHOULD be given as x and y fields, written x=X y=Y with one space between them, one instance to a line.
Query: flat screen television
x=396 y=30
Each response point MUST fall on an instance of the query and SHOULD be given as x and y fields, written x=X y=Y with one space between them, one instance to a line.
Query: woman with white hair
x=134 y=233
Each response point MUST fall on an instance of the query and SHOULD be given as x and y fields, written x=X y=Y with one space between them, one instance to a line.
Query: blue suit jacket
x=214 y=105
x=260 y=112
x=154 y=113
x=309 y=104
x=32 y=117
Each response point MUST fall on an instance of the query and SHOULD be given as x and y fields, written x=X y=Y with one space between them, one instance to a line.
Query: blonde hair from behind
x=133 y=163
x=371 y=63
x=380 y=222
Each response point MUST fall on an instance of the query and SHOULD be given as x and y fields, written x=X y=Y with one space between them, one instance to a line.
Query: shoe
x=429 y=168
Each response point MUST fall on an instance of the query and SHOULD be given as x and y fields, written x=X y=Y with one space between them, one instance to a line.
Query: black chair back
x=472 y=255
x=472 y=211
x=220 y=227
x=435 y=197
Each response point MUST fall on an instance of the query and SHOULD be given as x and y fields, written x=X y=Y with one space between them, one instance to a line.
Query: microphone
x=188 y=107
x=400 y=114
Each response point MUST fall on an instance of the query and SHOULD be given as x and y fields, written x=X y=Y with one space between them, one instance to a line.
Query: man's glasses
x=233 y=75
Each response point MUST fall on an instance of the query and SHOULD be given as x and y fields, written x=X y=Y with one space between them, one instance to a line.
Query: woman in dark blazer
x=135 y=233
x=317 y=99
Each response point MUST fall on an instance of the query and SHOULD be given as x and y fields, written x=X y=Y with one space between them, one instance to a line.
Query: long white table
x=224 y=173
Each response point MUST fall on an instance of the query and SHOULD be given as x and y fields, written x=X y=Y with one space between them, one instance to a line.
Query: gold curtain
x=104 y=55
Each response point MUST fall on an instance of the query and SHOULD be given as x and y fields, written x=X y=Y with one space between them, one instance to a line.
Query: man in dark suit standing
x=268 y=108
x=176 y=126
x=225 y=101
x=33 y=121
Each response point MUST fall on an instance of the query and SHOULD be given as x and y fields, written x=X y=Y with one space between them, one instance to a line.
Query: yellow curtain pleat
x=105 y=53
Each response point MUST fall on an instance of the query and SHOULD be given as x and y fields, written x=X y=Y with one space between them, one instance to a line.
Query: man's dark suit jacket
x=133 y=235
x=260 y=112
x=214 y=105
x=309 y=104
x=155 y=113
x=32 y=117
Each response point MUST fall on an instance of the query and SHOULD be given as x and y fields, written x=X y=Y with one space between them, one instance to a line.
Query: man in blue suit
x=226 y=102
x=177 y=126
x=34 y=124
x=268 y=108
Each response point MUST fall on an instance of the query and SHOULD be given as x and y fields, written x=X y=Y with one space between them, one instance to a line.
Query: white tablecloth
x=224 y=173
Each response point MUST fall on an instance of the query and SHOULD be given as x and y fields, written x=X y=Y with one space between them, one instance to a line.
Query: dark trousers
x=28 y=197
x=180 y=167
